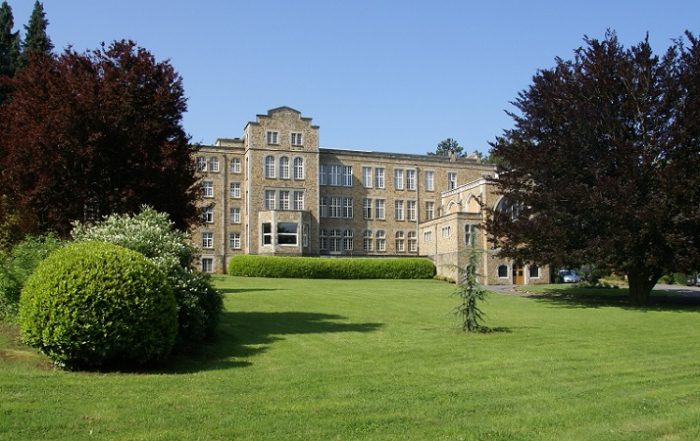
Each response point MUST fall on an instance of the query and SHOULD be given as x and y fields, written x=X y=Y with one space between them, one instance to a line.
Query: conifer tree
x=36 y=41
x=9 y=47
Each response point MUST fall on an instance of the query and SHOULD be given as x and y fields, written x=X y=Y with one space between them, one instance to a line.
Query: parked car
x=693 y=280
x=569 y=276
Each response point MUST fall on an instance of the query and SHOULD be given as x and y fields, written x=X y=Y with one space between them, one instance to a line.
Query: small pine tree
x=446 y=147
x=470 y=293
x=36 y=41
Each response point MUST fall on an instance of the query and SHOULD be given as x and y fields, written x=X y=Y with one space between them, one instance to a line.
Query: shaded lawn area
x=382 y=360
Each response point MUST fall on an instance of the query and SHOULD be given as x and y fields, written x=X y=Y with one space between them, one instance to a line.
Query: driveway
x=680 y=290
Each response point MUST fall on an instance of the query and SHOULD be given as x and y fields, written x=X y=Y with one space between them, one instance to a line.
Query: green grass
x=384 y=360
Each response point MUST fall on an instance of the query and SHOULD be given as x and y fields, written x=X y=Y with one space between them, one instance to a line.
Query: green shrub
x=155 y=236
x=331 y=268
x=98 y=305
x=16 y=267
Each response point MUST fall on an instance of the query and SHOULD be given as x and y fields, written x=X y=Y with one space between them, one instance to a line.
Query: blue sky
x=375 y=75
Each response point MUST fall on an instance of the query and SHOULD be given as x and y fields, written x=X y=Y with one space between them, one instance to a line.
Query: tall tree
x=602 y=163
x=9 y=48
x=448 y=146
x=36 y=41
x=89 y=134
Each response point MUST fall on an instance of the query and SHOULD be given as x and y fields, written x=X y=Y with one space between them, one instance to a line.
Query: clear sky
x=395 y=76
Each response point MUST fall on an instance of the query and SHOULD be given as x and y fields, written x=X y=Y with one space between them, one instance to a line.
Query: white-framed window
x=335 y=241
x=469 y=234
x=323 y=207
x=379 y=209
x=502 y=271
x=379 y=177
x=446 y=232
x=207 y=240
x=367 y=240
x=298 y=200
x=347 y=176
x=267 y=233
x=272 y=137
x=366 y=208
x=323 y=239
x=298 y=168
x=201 y=163
x=412 y=241
x=411 y=179
x=429 y=210
x=208 y=189
x=347 y=208
x=367 y=177
x=305 y=235
x=451 y=180
x=398 y=179
x=235 y=189
x=398 y=210
x=235 y=215
x=270 y=166
x=400 y=248
x=381 y=240
x=213 y=164
x=207 y=264
x=334 y=205
x=297 y=140
x=284 y=200
x=534 y=272
x=234 y=240
x=269 y=199
x=428 y=236
x=287 y=233
x=284 y=167
x=208 y=215
x=334 y=174
x=348 y=240
x=429 y=180
x=236 y=165
x=411 y=211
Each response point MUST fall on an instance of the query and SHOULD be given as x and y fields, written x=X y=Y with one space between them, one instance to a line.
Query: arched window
x=400 y=242
x=507 y=207
x=534 y=272
x=214 y=164
x=503 y=271
x=269 y=166
x=412 y=241
x=284 y=167
x=298 y=168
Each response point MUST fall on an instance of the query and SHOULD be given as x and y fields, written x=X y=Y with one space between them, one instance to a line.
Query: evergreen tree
x=447 y=146
x=9 y=48
x=36 y=41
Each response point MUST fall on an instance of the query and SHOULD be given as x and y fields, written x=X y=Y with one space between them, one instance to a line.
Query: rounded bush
x=199 y=306
x=98 y=305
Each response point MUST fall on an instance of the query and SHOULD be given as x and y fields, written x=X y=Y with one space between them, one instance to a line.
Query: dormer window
x=272 y=137
x=297 y=140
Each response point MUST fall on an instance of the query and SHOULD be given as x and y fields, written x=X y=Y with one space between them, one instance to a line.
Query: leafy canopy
x=602 y=163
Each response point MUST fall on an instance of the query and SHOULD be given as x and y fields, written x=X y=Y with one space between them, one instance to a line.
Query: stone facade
x=275 y=192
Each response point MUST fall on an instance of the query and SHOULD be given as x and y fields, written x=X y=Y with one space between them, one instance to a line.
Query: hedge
x=331 y=268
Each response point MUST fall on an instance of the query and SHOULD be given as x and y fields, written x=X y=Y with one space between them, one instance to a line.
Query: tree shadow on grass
x=678 y=301
x=242 y=335
x=242 y=290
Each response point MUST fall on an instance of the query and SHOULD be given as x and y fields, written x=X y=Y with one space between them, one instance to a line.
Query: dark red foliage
x=89 y=134
x=604 y=163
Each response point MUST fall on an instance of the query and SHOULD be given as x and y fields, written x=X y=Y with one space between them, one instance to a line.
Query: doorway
x=518 y=274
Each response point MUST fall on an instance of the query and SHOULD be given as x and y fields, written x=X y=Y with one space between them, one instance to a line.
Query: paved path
x=681 y=290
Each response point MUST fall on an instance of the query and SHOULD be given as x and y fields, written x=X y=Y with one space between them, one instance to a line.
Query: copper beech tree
x=602 y=165
x=89 y=134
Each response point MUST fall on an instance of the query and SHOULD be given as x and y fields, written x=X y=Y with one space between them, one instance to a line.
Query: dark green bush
x=155 y=236
x=16 y=267
x=332 y=268
x=98 y=305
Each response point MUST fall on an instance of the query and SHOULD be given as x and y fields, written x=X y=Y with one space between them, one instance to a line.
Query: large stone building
x=275 y=192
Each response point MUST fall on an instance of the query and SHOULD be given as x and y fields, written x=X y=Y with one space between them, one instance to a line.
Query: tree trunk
x=641 y=282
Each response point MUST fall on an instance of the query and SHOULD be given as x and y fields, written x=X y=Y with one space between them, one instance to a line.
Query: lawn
x=384 y=360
